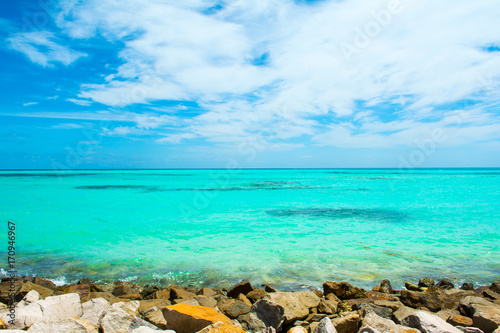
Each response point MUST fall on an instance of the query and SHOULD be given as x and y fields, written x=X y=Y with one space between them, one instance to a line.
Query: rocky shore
x=122 y=307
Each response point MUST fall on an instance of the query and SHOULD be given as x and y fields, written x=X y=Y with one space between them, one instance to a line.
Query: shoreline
x=262 y=308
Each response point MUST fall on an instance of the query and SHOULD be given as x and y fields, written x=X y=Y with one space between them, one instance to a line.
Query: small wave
x=341 y=213
x=117 y=187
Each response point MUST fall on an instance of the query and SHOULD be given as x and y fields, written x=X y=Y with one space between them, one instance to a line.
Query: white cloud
x=408 y=64
x=30 y=103
x=43 y=48
x=68 y=126
x=81 y=102
x=176 y=138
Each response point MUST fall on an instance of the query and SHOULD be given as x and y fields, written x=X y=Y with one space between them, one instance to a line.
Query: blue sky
x=249 y=83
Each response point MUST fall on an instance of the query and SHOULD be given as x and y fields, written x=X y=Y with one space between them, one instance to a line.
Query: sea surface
x=290 y=227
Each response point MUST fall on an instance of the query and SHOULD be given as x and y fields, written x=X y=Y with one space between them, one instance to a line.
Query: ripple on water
x=342 y=213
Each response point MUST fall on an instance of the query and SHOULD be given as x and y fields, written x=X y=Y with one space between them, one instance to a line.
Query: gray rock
x=471 y=329
x=383 y=325
x=485 y=314
x=385 y=287
x=325 y=326
x=445 y=284
x=268 y=313
x=368 y=329
x=379 y=310
x=428 y=323
x=155 y=317
x=119 y=317
x=144 y=329
x=94 y=310
x=426 y=282
x=72 y=325
x=295 y=305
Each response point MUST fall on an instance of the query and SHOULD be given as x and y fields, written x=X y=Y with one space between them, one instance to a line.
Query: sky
x=249 y=84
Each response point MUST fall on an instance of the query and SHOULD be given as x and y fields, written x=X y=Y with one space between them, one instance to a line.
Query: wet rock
x=95 y=310
x=119 y=317
x=256 y=294
x=413 y=287
x=145 y=305
x=495 y=286
x=85 y=281
x=385 y=287
x=71 y=325
x=426 y=282
x=467 y=286
x=458 y=320
x=208 y=302
x=431 y=300
x=471 y=330
x=270 y=289
x=244 y=287
x=428 y=323
x=221 y=327
x=179 y=293
x=328 y=306
x=123 y=289
x=209 y=292
x=385 y=325
x=325 y=326
x=296 y=305
x=269 y=313
x=393 y=305
x=343 y=290
x=45 y=283
x=244 y=299
x=485 y=314
x=155 y=317
x=378 y=310
x=445 y=284
x=191 y=318
x=233 y=308
x=347 y=322
x=81 y=289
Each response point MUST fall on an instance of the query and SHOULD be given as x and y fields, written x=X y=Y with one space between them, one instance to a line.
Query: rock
x=451 y=298
x=327 y=306
x=208 y=302
x=445 y=284
x=31 y=297
x=343 y=290
x=119 y=317
x=382 y=325
x=344 y=306
x=94 y=310
x=296 y=305
x=155 y=317
x=485 y=314
x=256 y=294
x=107 y=296
x=160 y=294
x=431 y=300
x=313 y=317
x=472 y=330
x=373 y=295
x=145 y=329
x=368 y=329
x=378 y=310
x=81 y=289
x=244 y=287
x=186 y=301
x=457 y=320
x=347 y=322
x=45 y=283
x=297 y=329
x=495 y=286
x=71 y=325
x=402 y=313
x=267 y=312
x=221 y=327
x=393 y=305
x=28 y=286
x=145 y=305
x=426 y=282
x=428 y=323
x=385 y=287
x=138 y=322
x=61 y=307
x=179 y=293
x=325 y=326
x=447 y=313
x=191 y=318
x=270 y=289
x=233 y=308
x=244 y=299
x=123 y=289
x=412 y=287
x=85 y=281
x=467 y=286
x=209 y=292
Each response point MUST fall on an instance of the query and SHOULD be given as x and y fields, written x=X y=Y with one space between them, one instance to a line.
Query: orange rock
x=184 y=318
x=2 y=325
x=221 y=327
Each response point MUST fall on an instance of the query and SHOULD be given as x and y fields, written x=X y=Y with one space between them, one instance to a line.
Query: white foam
x=60 y=281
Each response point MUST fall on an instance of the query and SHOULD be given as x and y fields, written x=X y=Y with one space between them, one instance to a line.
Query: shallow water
x=214 y=227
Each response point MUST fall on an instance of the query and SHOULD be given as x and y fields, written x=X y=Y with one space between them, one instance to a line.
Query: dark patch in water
x=357 y=189
x=117 y=187
x=341 y=213
x=47 y=175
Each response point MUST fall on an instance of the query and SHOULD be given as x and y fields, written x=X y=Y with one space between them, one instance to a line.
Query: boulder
x=426 y=282
x=413 y=287
x=402 y=313
x=244 y=299
x=447 y=313
x=155 y=317
x=28 y=286
x=250 y=322
x=347 y=322
x=428 y=323
x=268 y=313
x=145 y=329
x=102 y=294
x=379 y=310
x=431 y=300
x=270 y=289
x=328 y=306
x=296 y=305
x=209 y=302
x=495 y=286
x=297 y=329
x=123 y=289
x=472 y=330
x=467 y=286
x=233 y=308
x=343 y=290
x=368 y=329
x=138 y=322
x=325 y=326
x=45 y=283
x=190 y=301
x=244 y=287
x=393 y=305
x=256 y=294
x=209 y=292
x=444 y=284
x=179 y=293
x=184 y=318
x=221 y=327
x=81 y=289
x=380 y=324
x=119 y=317
x=451 y=298
x=145 y=305
x=458 y=320
x=385 y=287
x=485 y=314
x=61 y=307
x=94 y=310
x=71 y=325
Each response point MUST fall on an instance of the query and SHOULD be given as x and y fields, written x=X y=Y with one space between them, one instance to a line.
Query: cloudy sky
x=249 y=83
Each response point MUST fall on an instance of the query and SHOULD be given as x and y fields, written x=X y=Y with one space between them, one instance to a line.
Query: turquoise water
x=291 y=227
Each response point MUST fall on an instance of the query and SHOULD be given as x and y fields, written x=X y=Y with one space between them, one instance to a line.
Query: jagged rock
x=296 y=305
x=71 y=325
x=445 y=284
x=343 y=290
x=268 y=313
x=447 y=313
x=313 y=317
x=145 y=305
x=81 y=289
x=190 y=301
x=393 y=305
x=347 y=322
x=472 y=330
x=209 y=292
x=495 y=286
x=233 y=308
x=244 y=287
x=145 y=329
x=380 y=324
x=256 y=294
x=191 y=318
x=123 y=289
x=426 y=282
x=385 y=287
x=179 y=293
x=451 y=298
x=368 y=329
x=61 y=307
x=467 y=286
x=402 y=313
x=328 y=306
x=250 y=322
x=379 y=310
x=244 y=299
x=413 y=287
x=485 y=314
x=431 y=300
x=44 y=283
x=208 y=302
x=138 y=322
x=155 y=317
x=119 y=317
x=457 y=320
x=297 y=329
x=270 y=289
x=325 y=326
x=428 y=323
x=94 y=310
x=102 y=294
x=221 y=327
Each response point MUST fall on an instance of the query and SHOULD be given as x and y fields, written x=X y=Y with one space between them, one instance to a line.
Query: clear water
x=291 y=227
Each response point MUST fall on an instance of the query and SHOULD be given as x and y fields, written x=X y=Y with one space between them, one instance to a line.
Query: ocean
x=291 y=227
